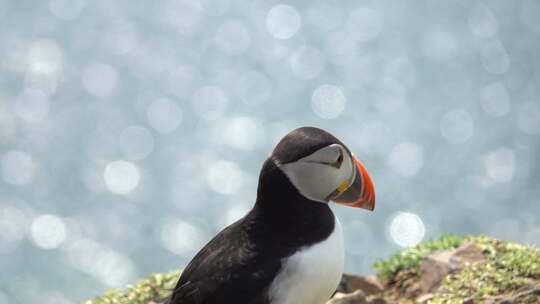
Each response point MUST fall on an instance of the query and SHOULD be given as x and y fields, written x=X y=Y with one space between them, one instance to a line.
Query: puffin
x=289 y=248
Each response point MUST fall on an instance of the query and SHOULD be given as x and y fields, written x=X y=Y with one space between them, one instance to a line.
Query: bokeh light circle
x=48 y=231
x=283 y=21
x=233 y=214
x=181 y=237
x=164 y=115
x=66 y=9
x=44 y=56
x=494 y=57
x=364 y=24
x=482 y=21
x=328 y=101
x=243 y=133
x=501 y=165
x=406 y=229
x=184 y=15
x=100 y=80
x=224 y=177
x=121 y=177
x=495 y=100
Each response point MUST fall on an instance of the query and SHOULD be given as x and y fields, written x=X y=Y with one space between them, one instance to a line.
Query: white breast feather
x=311 y=275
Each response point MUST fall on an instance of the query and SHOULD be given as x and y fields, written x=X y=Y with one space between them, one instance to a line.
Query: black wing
x=229 y=269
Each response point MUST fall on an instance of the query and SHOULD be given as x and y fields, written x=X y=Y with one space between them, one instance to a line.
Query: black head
x=312 y=164
x=302 y=142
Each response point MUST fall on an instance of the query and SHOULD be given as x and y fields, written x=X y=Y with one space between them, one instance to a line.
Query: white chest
x=311 y=275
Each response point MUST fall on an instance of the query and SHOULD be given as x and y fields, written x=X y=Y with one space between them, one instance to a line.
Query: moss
x=409 y=259
x=154 y=289
x=509 y=268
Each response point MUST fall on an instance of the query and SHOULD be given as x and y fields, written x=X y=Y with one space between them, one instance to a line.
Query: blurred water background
x=133 y=131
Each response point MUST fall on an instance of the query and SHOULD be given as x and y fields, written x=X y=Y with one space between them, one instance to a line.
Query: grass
x=154 y=289
x=409 y=259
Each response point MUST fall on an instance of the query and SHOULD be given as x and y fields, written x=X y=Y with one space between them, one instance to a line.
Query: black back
x=239 y=264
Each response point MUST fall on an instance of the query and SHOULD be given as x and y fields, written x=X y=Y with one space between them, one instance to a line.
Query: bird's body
x=287 y=249
x=312 y=274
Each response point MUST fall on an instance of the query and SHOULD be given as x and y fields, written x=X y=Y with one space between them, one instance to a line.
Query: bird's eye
x=338 y=161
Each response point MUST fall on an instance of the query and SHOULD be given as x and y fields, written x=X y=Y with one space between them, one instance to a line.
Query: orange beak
x=361 y=192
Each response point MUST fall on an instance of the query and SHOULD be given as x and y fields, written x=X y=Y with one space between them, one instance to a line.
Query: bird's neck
x=280 y=208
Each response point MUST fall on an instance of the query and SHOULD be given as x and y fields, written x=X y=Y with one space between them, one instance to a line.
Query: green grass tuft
x=520 y=260
x=156 y=288
x=409 y=259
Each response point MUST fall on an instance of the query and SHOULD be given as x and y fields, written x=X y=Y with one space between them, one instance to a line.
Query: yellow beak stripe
x=343 y=186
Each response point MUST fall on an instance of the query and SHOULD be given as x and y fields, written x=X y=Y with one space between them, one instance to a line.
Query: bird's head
x=323 y=169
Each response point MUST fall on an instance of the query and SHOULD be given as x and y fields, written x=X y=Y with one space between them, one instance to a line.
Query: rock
x=467 y=253
x=357 y=297
x=433 y=269
x=439 y=264
x=377 y=301
x=368 y=284
x=490 y=300
x=424 y=298
x=528 y=294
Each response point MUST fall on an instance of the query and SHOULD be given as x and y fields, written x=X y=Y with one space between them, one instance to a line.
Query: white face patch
x=319 y=174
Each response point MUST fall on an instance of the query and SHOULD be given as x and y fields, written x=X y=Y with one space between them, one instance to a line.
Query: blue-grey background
x=133 y=131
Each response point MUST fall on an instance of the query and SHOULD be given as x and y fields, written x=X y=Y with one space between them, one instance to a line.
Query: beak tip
x=370 y=205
